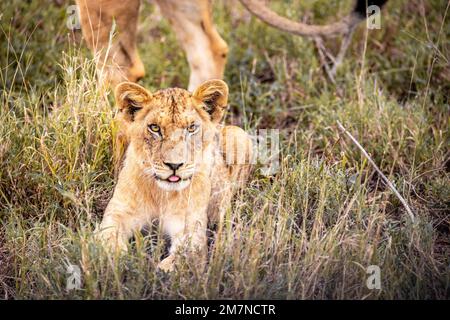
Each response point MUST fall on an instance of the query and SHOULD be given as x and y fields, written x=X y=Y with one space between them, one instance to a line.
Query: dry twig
x=386 y=180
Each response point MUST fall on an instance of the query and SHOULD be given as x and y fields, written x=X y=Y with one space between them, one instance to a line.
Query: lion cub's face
x=171 y=129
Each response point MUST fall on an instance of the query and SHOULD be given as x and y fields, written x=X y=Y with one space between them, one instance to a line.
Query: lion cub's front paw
x=111 y=241
x=167 y=264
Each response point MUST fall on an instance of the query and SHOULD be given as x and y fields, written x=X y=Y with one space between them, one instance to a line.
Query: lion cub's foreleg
x=186 y=223
x=118 y=225
x=121 y=219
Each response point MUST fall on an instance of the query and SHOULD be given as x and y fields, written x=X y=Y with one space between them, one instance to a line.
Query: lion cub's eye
x=192 y=128
x=154 y=128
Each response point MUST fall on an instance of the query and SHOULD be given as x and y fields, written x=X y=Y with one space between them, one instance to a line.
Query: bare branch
x=343 y=49
x=386 y=180
x=322 y=52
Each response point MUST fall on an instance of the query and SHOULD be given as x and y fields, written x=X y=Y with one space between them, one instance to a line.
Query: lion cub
x=181 y=166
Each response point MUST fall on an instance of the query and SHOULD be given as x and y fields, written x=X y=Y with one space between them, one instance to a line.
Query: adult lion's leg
x=116 y=61
x=206 y=51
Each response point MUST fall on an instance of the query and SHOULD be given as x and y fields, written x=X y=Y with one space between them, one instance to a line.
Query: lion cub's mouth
x=173 y=179
x=173 y=182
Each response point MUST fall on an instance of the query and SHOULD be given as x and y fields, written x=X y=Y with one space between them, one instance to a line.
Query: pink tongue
x=174 y=178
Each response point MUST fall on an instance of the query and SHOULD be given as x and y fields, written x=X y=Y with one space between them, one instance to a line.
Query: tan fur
x=119 y=61
x=191 y=20
x=215 y=160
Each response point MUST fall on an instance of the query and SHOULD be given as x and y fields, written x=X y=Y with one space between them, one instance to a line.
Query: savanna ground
x=307 y=232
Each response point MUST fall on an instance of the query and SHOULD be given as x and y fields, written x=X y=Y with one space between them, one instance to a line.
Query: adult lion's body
x=181 y=166
x=191 y=20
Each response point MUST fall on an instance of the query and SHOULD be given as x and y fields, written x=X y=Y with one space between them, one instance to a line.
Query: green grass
x=308 y=232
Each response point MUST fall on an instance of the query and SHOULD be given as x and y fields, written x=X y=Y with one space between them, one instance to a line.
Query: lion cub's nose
x=173 y=166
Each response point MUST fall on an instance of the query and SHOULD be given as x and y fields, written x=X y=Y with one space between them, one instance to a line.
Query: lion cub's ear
x=214 y=96
x=131 y=98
